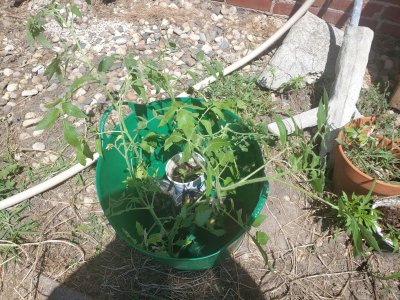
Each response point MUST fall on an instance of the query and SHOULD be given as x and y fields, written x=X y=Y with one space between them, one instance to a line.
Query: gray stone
x=7 y=109
x=24 y=136
x=38 y=146
x=30 y=115
x=31 y=122
x=12 y=87
x=7 y=72
x=188 y=60
x=29 y=93
x=121 y=41
x=309 y=50
x=141 y=46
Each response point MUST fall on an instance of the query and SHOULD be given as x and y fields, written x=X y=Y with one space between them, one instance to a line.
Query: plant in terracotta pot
x=363 y=156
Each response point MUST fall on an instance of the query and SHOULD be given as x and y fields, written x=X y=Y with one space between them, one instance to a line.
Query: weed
x=15 y=228
x=373 y=101
x=247 y=98
x=295 y=84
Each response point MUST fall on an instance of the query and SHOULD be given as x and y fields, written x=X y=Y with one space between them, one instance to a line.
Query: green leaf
x=139 y=229
x=186 y=122
x=106 y=63
x=168 y=115
x=203 y=214
x=75 y=10
x=174 y=138
x=53 y=104
x=81 y=157
x=259 y=220
x=71 y=135
x=207 y=126
x=53 y=68
x=282 y=130
x=86 y=150
x=217 y=144
x=369 y=238
x=154 y=238
x=390 y=277
x=321 y=114
x=355 y=234
x=72 y=110
x=187 y=152
x=261 y=237
x=98 y=147
x=48 y=120
x=40 y=38
x=218 y=112
x=77 y=83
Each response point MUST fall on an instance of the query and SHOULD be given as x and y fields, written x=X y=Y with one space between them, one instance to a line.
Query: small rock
x=53 y=157
x=194 y=37
x=121 y=51
x=38 y=146
x=207 y=48
x=9 y=48
x=30 y=115
x=188 y=60
x=7 y=72
x=37 y=133
x=7 y=109
x=29 y=93
x=24 y=136
x=3 y=101
x=55 y=39
x=80 y=92
x=178 y=31
x=12 y=87
x=141 y=46
x=39 y=69
x=31 y=122
x=83 y=100
x=36 y=80
x=131 y=96
x=121 y=41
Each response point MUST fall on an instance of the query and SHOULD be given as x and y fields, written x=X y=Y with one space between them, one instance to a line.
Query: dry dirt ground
x=75 y=254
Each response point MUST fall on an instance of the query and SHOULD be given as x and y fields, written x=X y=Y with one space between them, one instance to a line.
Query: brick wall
x=383 y=16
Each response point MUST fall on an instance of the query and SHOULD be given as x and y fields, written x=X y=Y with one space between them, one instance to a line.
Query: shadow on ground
x=110 y=276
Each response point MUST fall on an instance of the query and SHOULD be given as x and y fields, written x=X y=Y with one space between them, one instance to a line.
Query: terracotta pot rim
x=357 y=170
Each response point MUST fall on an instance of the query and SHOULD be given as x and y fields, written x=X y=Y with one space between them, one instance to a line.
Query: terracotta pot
x=348 y=178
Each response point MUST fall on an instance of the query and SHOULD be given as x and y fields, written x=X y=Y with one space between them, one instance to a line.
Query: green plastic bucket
x=111 y=172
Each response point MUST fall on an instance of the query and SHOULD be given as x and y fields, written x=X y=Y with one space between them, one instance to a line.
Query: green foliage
x=246 y=97
x=359 y=219
x=15 y=228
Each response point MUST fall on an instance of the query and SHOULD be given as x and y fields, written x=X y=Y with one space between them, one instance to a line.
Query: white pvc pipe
x=48 y=184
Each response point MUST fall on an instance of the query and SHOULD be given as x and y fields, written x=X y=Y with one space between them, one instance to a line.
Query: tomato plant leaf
x=72 y=110
x=203 y=214
x=75 y=10
x=106 y=63
x=259 y=220
x=71 y=135
x=261 y=237
x=48 y=120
